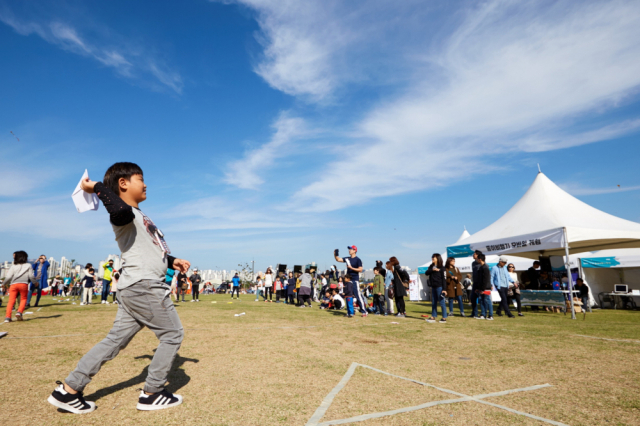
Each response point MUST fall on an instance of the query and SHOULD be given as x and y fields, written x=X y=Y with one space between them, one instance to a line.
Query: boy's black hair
x=120 y=170
x=21 y=257
x=91 y=270
x=377 y=269
x=482 y=257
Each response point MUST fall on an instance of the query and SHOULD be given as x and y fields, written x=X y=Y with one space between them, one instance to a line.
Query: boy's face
x=134 y=187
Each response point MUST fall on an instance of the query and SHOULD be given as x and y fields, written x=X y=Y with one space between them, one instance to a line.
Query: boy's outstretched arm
x=179 y=264
x=120 y=213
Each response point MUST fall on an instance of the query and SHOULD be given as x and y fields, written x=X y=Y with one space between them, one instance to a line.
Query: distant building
x=54 y=267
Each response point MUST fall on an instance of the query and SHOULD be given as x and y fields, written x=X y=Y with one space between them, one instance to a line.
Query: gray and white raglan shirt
x=144 y=252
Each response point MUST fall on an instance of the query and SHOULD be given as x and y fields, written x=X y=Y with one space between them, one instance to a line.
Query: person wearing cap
x=195 y=285
x=354 y=267
x=500 y=279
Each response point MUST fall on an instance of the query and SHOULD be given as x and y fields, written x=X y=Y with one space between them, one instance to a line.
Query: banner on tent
x=414 y=287
x=545 y=240
x=608 y=262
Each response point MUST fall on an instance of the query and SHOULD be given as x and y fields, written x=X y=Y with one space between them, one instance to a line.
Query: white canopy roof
x=465 y=235
x=535 y=225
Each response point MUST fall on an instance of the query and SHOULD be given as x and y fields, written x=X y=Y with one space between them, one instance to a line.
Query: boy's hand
x=181 y=265
x=87 y=185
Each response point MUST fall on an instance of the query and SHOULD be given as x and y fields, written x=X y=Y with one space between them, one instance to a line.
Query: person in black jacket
x=195 y=285
x=399 y=276
x=534 y=276
x=183 y=285
x=475 y=269
x=484 y=289
x=437 y=284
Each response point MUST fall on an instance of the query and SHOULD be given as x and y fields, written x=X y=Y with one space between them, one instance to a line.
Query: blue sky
x=280 y=130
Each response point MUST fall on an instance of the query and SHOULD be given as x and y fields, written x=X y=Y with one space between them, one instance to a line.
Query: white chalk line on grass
x=328 y=400
x=604 y=338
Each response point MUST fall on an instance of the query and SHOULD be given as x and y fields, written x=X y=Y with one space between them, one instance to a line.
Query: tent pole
x=567 y=266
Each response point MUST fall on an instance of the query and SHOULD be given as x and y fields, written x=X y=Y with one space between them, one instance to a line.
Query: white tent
x=464 y=236
x=549 y=221
x=544 y=220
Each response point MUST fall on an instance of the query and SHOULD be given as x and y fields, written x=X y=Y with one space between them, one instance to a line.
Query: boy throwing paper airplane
x=143 y=299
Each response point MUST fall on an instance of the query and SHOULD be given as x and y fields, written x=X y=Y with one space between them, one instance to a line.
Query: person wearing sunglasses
x=514 y=289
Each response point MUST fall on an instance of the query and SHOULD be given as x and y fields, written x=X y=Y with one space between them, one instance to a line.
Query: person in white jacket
x=18 y=277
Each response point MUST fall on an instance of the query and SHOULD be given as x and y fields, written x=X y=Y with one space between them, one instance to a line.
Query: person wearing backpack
x=454 y=289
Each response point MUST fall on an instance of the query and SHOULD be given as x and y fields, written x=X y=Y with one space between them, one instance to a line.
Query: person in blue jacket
x=41 y=271
x=236 y=286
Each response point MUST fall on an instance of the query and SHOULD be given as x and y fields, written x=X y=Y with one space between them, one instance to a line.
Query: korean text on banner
x=543 y=240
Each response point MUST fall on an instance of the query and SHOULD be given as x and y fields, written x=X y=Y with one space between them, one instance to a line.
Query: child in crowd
x=325 y=303
x=348 y=295
x=143 y=299
x=67 y=285
x=337 y=302
x=18 y=278
x=378 y=292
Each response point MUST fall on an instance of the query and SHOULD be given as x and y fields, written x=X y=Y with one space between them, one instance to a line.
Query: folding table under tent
x=549 y=221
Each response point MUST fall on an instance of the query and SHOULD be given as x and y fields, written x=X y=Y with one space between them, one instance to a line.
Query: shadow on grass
x=177 y=378
x=37 y=318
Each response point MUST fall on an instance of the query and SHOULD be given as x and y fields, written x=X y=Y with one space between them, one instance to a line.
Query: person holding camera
x=354 y=267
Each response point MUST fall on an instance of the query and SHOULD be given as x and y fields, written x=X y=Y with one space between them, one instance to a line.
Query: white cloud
x=220 y=213
x=314 y=48
x=246 y=172
x=53 y=217
x=511 y=78
x=125 y=60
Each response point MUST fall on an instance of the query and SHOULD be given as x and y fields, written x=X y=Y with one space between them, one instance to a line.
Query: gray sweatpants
x=143 y=304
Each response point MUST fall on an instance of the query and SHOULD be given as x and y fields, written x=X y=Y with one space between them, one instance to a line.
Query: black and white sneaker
x=158 y=401
x=73 y=403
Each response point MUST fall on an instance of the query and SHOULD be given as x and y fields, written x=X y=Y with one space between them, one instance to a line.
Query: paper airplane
x=83 y=200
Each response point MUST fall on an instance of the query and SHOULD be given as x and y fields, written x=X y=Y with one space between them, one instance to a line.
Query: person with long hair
x=437 y=282
x=400 y=277
x=268 y=285
x=454 y=289
x=18 y=278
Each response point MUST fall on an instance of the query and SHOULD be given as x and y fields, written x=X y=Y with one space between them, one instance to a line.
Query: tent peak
x=539 y=171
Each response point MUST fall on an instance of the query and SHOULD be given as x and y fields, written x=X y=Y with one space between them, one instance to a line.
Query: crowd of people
x=329 y=289
x=336 y=291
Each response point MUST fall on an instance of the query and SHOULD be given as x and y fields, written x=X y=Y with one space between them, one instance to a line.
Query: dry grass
x=275 y=365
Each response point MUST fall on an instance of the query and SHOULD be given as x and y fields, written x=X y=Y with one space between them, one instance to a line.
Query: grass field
x=276 y=364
